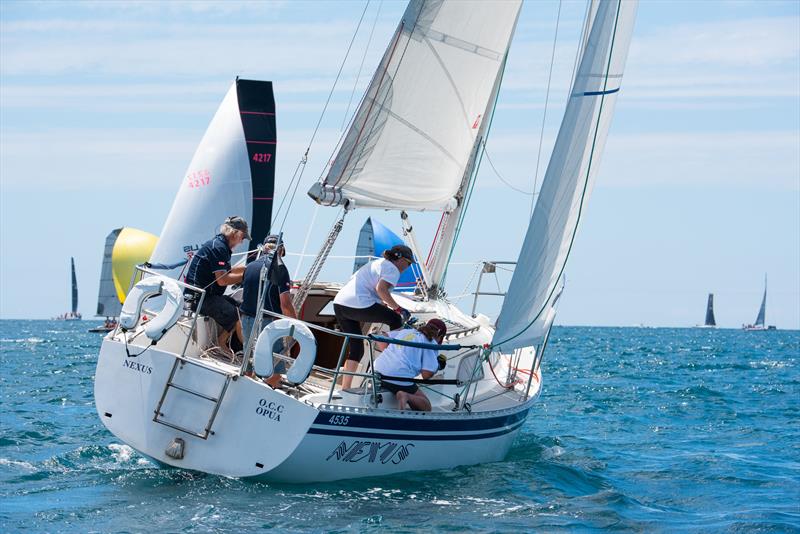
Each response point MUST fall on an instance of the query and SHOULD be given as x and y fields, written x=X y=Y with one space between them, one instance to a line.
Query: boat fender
x=272 y=333
x=145 y=289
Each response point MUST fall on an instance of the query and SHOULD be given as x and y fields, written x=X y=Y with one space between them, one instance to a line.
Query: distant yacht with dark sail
x=73 y=315
x=760 y=323
x=710 y=321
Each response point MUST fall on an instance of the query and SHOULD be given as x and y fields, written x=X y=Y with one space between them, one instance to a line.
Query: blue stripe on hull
x=372 y=422
x=360 y=433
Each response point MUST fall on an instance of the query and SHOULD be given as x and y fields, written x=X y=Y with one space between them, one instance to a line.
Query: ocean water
x=637 y=430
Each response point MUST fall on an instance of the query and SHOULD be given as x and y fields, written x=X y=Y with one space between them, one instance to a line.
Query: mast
x=444 y=241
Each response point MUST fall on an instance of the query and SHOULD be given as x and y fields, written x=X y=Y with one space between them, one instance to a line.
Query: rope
x=316 y=267
x=360 y=67
x=302 y=164
x=491 y=164
x=544 y=114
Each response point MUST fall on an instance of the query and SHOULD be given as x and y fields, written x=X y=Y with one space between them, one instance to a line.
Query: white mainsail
x=231 y=173
x=413 y=134
x=526 y=314
x=762 y=311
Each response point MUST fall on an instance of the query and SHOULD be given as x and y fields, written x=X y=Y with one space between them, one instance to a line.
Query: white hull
x=282 y=436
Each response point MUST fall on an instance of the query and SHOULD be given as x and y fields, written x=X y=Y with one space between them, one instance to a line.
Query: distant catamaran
x=760 y=323
x=72 y=315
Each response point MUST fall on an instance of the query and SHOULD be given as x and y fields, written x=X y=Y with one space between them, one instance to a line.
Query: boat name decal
x=144 y=369
x=371 y=451
x=270 y=409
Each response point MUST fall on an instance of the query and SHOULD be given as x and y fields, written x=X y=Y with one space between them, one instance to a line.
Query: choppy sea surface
x=636 y=430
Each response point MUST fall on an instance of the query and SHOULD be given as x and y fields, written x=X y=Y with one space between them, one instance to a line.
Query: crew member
x=402 y=361
x=210 y=269
x=367 y=298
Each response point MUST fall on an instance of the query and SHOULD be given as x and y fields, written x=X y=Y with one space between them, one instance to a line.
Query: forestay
x=525 y=316
x=231 y=173
x=411 y=138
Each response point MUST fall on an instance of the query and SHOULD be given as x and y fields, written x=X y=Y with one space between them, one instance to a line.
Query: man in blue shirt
x=276 y=286
x=210 y=269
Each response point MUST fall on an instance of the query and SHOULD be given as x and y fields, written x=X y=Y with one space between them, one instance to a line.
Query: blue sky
x=103 y=103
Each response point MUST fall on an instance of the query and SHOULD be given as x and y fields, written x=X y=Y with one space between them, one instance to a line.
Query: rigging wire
x=544 y=114
x=361 y=67
x=296 y=179
x=497 y=173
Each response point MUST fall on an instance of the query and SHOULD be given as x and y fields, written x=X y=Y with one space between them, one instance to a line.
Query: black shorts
x=351 y=319
x=394 y=388
x=223 y=309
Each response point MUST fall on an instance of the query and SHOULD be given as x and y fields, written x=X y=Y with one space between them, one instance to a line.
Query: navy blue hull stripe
x=597 y=93
x=340 y=432
x=420 y=425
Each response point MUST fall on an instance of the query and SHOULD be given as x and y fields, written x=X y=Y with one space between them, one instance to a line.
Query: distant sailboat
x=710 y=321
x=760 y=323
x=73 y=315
x=125 y=248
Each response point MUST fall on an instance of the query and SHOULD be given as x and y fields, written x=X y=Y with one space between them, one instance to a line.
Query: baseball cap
x=402 y=251
x=238 y=223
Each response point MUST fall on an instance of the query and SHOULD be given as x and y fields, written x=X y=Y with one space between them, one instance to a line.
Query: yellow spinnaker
x=131 y=248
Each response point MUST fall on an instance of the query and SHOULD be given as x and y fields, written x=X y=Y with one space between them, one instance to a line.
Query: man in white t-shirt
x=367 y=298
x=402 y=361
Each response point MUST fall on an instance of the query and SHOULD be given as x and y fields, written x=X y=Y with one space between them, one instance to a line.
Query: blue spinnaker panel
x=373 y=239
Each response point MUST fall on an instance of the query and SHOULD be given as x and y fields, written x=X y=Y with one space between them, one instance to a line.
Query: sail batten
x=401 y=152
x=527 y=311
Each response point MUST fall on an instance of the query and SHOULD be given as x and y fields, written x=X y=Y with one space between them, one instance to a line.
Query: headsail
x=108 y=304
x=523 y=319
x=232 y=173
x=411 y=139
x=762 y=311
x=710 y=321
x=74 y=288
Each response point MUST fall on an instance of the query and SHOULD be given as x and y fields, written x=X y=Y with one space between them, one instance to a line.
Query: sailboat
x=157 y=390
x=73 y=314
x=125 y=248
x=760 y=323
x=710 y=322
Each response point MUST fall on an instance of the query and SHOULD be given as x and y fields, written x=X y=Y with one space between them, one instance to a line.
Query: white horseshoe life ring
x=145 y=289
x=301 y=367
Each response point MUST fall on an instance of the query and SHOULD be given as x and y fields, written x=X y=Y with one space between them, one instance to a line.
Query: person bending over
x=407 y=362
x=210 y=269
x=367 y=298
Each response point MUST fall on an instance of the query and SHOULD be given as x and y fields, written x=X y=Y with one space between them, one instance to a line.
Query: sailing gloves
x=404 y=314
